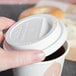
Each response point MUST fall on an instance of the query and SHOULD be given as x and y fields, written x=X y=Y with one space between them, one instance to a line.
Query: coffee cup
x=41 y=32
x=49 y=67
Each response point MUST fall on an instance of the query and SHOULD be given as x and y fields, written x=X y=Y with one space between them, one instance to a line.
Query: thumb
x=13 y=59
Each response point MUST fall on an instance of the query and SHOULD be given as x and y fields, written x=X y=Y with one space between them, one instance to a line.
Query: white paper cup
x=53 y=36
x=46 y=68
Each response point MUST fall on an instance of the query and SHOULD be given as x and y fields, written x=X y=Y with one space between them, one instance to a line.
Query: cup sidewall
x=38 y=69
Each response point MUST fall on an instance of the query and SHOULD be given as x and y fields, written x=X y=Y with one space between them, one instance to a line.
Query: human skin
x=12 y=59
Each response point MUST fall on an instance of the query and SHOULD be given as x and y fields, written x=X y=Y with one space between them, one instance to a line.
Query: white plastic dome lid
x=41 y=32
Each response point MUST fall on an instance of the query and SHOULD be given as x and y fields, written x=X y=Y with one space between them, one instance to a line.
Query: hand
x=13 y=59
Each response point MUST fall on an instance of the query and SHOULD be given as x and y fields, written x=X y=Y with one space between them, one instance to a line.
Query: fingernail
x=39 y=57
x=4 y=31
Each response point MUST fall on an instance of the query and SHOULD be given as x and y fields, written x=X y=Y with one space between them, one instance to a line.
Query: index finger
x=5 y=23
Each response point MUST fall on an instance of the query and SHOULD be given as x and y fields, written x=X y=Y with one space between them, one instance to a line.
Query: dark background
x=13 y=11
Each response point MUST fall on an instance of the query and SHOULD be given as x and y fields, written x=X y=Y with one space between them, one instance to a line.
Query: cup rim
x=64 y=54
x=53 y=60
